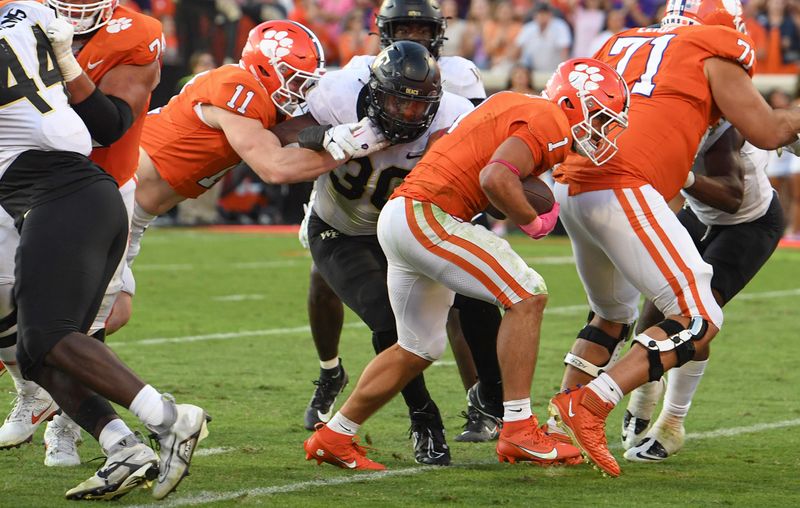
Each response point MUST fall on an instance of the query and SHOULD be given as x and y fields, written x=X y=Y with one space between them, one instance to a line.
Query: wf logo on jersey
x=117 y=25
x=276 y=44
x=585 y=78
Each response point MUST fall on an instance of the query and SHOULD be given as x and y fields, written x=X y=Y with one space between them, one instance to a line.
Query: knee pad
x=383 y=340
x=679 y=339
x=613 y=345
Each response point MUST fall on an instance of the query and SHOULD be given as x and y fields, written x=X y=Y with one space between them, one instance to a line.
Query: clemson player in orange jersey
x=433 y=251
x=626 y=240
x=120 y=51
x=222 y=117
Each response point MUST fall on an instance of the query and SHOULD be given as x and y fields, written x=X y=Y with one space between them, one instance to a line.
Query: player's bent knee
x=429 y=349
x=35 y=342
x=680 y=339
x=596 y=335
x=534 y=304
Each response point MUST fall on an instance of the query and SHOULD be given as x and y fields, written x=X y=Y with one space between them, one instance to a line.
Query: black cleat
x=479 y=427
x=427 y=432
x=330 y=384
x=484 y=405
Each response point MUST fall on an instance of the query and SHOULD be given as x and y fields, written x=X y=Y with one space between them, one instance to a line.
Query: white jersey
x=350 y=197
x=459 y=75
x=757 y=189
x=34 y=111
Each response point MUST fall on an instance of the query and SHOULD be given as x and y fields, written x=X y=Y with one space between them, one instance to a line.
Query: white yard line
x=565 y=309
x=237 y=298
x=212 y=497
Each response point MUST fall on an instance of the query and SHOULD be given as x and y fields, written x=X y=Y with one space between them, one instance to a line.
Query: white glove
x=354 y=140
x=60 y=33
x=334 y=143
x=365 y=139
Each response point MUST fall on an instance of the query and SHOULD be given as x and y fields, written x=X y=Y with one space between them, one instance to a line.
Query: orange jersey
x=671 y=106
x=129 y=38
x=448 y=175
x=190 y=155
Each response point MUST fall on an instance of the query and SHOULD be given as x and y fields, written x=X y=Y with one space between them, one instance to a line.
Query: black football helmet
x=403 y=91
x=428 y=12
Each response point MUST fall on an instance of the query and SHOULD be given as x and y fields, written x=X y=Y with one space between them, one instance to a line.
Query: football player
x=433 y=251
x=421 y=21
x=222 y=117
x=626 y=240
x=72 y=228
x=401 y=92
x=120 y=50
x=735 y=219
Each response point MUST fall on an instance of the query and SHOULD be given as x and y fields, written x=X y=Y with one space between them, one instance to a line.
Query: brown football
x=538 y=193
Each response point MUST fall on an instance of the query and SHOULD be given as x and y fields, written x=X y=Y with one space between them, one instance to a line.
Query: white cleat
x=29 y=411
x=663 y=440
x=177 y=445
x=61 y=439
x=635 y=424
x=124 y=470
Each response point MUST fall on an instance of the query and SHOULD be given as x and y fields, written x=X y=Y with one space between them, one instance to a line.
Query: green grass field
x=219 y=321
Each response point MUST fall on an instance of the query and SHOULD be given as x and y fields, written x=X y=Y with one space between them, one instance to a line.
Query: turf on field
x=219 y=321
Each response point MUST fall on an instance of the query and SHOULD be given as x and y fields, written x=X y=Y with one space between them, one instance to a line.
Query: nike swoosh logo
x=515 y=410
x=410 y=156
x=569 y=409
x=551 y=455
x=349 y=465
x=92 y=65
x=35 y=418
x=324 y=417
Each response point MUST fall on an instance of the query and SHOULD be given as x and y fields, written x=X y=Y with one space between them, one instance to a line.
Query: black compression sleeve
x=107 y=117
x=313 y=137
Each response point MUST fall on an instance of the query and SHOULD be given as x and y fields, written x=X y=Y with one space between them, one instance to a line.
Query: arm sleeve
x=108 y=118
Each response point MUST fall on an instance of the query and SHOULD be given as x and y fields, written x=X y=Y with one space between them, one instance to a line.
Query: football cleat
x=330 y=384
x=340 y=450
x=664 y=439
x=581 y=413
x=638 y=415
x=556 y=433
x=177 y=445
x=479 y=427
x=130 y=465
x=2 y=368
x=524 y=441
x=484 y=405
x=61 y=439
x=29 y=411
x=427 y=434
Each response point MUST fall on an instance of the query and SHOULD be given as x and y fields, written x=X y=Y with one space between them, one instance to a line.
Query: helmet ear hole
x=566 y=104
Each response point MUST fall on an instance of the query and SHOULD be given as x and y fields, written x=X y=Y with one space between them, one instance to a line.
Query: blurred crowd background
x=516 y=44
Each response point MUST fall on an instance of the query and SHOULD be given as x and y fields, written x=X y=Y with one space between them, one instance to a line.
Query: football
x=538 y=193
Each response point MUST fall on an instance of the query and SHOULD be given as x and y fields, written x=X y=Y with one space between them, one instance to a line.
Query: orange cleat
x=340 y=450
x=524 y=441
x=582 y=414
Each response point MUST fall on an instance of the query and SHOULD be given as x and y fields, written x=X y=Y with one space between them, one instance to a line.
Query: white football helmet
x=85 y=15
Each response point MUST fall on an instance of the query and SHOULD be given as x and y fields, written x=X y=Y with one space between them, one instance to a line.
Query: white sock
x=343 y=425
x=329 y=364
x=643 y=400
x=114 y=432
x=606 y=388
x=148 y=406
x=8 y=355
x=516 y=410
x=683 y=383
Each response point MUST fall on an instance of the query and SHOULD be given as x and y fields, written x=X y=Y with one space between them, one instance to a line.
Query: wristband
x=533 y=228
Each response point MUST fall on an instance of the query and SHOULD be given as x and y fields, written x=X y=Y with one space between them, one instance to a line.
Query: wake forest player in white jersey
x=420 y=21
x=401 y=92
x=735 y=219
x=72 y=229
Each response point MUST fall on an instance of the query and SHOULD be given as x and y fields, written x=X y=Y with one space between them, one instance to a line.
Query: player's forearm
x=292 y=165
x=505 y=193
x=722 y=192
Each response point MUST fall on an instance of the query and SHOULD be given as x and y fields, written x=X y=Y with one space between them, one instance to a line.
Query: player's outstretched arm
x=722 y=186
x=743 y=106
x=262 y=150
